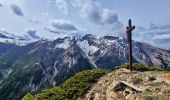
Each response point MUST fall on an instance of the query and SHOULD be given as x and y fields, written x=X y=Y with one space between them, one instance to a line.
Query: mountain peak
x=57 y=60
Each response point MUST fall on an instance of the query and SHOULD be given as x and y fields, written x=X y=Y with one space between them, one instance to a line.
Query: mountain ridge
x=142 y=83
x=46 y=64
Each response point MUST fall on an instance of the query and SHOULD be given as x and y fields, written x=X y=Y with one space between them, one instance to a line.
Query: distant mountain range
x=44 y=64
x=6 y=37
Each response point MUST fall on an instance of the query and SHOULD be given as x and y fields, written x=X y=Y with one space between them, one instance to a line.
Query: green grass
x=140 y=67
x=150 y=97
x=72 y=89
x=29 y=97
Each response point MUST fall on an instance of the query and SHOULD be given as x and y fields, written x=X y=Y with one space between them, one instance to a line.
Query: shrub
x=73 y=88
x=167 y=68
x=140 y=67
x=28 y=97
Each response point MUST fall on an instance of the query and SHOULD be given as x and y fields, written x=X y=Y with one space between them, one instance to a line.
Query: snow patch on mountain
x=64 y=44
x=6 y=37
x=15 y=41
x=84 y=45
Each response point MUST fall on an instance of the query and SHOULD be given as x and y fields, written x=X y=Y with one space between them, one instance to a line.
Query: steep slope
x=72 y=89
x=110 y=51
x=105 y=52
x=121 y=84
x=23 y=70
x=74 y=60
x=3 y=36
x=5 y=47
x=18 y=68
x=44 y=64
x=150 y=55
x=40 y=65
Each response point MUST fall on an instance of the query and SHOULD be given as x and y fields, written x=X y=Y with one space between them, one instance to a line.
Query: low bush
x=72 y=89
x=140 y=67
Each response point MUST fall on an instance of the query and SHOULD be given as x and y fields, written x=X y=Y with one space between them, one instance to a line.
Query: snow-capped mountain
x=6 y=37
x=43 y=64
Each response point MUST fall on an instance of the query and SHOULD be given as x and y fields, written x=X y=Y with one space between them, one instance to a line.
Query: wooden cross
x=129 y=29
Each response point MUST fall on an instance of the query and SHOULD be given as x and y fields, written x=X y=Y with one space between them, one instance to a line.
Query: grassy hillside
x=72 y=89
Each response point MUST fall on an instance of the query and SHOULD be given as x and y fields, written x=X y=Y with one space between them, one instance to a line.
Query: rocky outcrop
x=128 y=85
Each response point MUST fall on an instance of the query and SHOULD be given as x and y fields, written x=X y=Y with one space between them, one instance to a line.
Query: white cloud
x=62 y=6
x=15 y=5
x=32 y=33
x=17 y=10
x=93 y=10
x=158 y=35
x=62 y=26
x=102 y=17
x=10 y=2
x=1 y=5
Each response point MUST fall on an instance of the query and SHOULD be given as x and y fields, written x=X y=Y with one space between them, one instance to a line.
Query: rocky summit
x=123 y=84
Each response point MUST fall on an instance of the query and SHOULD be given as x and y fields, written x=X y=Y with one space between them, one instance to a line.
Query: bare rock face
x=115 y=86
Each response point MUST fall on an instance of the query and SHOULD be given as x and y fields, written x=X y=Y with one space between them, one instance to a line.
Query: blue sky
x=143 y=12
x=58 y=18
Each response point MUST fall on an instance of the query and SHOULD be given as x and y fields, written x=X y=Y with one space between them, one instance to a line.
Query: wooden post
x=129 y=29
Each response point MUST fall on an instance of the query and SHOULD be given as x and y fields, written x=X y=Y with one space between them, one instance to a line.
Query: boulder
x=132 y=86
x=122 y=71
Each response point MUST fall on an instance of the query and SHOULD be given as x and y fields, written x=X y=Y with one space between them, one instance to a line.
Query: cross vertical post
x=129 y=29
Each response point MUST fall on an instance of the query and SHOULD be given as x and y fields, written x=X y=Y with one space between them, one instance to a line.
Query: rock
x=151 y=78
x=122 y=71
x=137 y=80
x=132 y=86
x=148 y=90
x=166 y=91
x=93 y=96
x=118 y=86
x=110 y=95
x=89 y=96
x=163 y=77
x=113 y=89
x=157 y=89
x=99 y=97
x=132 y=97
x=126 y=92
